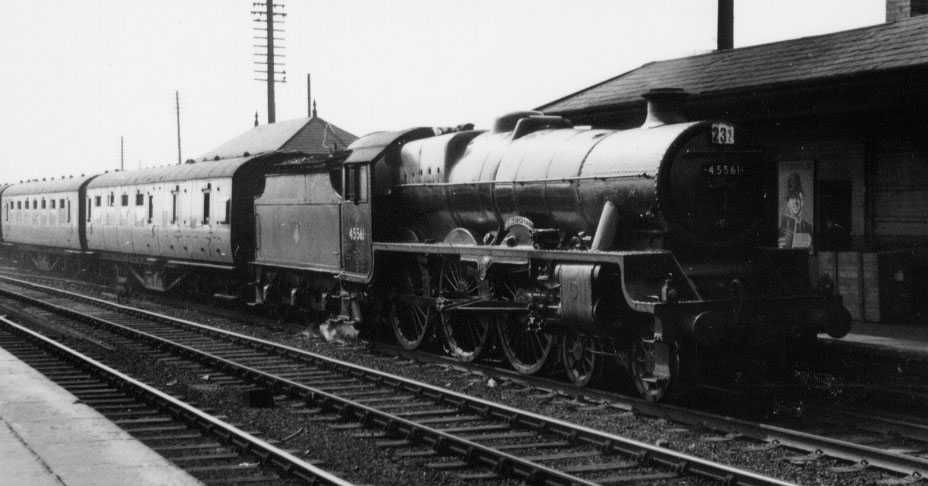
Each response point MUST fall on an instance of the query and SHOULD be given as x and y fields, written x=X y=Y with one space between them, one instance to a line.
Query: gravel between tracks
x=363 y=461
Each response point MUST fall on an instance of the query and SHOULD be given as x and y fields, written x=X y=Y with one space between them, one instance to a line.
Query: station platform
x=905 y=340
x=47 y=439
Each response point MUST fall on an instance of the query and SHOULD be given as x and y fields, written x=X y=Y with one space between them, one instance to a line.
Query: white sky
x=79 y=74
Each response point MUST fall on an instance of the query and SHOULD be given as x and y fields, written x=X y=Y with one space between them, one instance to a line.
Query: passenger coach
x=42 y=219
x=165 y=224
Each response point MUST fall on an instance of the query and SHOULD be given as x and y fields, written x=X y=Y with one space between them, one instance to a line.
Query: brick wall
x=903 y=9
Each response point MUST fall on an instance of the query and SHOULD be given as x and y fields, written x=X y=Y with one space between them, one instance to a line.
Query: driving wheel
x=526 y=348
x=412 y=311
x=465 y=333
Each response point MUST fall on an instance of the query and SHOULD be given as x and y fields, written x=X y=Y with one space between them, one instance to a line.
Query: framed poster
x=796 y=201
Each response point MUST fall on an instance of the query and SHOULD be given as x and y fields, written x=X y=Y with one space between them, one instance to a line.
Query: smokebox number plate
x=723 y=134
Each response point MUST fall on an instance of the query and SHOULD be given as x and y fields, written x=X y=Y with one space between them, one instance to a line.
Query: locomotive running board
x=497 y=253
x=641 y=299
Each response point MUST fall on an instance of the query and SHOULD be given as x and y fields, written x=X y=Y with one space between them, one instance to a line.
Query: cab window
x=356 y=183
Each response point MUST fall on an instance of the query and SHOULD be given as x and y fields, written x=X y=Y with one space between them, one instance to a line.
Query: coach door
x=357 y=254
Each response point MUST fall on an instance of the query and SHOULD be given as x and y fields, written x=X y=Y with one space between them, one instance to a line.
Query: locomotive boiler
x=537 y=180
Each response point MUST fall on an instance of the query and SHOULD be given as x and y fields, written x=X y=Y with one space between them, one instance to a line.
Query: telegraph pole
x=264 y=13
x=177 y=111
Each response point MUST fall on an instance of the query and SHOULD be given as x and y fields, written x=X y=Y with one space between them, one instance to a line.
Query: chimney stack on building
x=903 y=9
x=726 y=33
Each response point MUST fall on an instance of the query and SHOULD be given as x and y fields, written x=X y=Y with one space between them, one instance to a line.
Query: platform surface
x=898 y=338
x=47 y=439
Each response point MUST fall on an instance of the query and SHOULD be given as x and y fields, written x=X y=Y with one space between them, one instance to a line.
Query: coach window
x=228 y=212
x=88 y=209
x=43 y=203
x=139 y=199
x=124 y=200
x=8 y=204
x=61 y=203
x=69 y=210
x=19 y=204
x=111 y=200
x=174 y=204
x=53 y=203
x=151 y=208
x=206 y=191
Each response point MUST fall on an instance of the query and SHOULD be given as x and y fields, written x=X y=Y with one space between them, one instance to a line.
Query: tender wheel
x=465 y=334
x=655 y=367
x=526 y=349
x=579 y=355
x=412 y=312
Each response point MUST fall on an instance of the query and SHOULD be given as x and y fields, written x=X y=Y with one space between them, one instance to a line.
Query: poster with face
x=796 y=202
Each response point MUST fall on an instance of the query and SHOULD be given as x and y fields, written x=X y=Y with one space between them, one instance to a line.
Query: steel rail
x=502 y=462
x=913 y=466
x=268 y=453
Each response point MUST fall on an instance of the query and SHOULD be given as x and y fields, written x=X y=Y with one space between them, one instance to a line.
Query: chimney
x=726 y=33
x=665 y=106
x=903 y=9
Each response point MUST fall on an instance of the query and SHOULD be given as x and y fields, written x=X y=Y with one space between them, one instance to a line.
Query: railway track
x=895 y=443
x=208 y=448
x=473 y=438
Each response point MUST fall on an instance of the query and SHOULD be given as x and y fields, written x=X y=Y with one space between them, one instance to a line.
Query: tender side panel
x=298 y=217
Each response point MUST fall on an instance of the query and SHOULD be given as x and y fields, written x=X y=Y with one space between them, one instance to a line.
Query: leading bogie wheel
x=655 y=367
x=580 y=357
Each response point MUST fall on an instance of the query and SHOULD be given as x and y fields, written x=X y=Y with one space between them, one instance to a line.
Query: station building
x=312 y=135
x=849 y=108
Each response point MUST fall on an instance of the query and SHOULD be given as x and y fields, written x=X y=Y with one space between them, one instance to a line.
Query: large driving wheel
x=655 y=367
x=465 y=333
x=413 y=311
x=579 y=355
x=526 y=348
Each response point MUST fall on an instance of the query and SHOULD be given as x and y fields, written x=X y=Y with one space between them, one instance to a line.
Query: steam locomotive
x=563 y=245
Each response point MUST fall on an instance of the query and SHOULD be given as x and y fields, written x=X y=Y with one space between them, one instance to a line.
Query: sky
x=77 y=76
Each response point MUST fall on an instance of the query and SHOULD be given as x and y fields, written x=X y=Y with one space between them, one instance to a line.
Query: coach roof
x=210 y=169
x=71 y=184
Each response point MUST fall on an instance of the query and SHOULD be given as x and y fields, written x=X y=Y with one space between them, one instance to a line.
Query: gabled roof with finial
x=312 y=135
